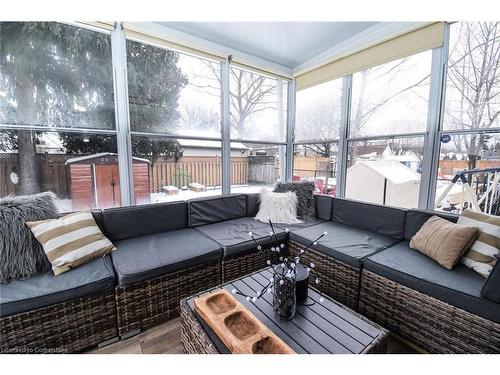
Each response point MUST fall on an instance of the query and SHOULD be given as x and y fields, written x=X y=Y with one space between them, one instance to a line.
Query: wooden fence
x=312 y=166
x=53 y=173
x=451 y=167
x=263 y=169
x=55 y=176
x=203 y=170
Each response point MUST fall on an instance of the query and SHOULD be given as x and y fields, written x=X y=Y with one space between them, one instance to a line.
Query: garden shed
x=95 y=181
x=384 y=182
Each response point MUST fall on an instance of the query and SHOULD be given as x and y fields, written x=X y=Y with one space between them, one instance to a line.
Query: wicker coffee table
x=317 y=328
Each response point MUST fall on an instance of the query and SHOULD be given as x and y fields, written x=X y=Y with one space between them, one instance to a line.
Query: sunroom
x=250 y=187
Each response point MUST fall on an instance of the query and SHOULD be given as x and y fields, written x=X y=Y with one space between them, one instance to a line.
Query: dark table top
x=327 y=327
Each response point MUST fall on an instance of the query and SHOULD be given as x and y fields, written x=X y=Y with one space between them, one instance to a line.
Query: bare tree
x=250 y=93
x=198 y=117
x=322 y=121
x=386 y=78
x=473 y=84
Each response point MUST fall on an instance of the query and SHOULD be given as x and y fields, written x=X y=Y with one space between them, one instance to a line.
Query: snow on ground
x=189 y=194
x=65 y=205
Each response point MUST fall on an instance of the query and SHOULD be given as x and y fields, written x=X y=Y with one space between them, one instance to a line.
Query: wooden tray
x=236 y=326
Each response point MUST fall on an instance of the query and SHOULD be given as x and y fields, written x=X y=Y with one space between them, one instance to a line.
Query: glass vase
x=284 y=296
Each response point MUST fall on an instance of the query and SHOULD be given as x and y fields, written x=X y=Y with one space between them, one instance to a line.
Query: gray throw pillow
x=305 y=194
x=21 y=256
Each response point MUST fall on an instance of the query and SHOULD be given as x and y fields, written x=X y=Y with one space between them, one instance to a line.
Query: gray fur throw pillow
x=305 y=194
x=21 y=256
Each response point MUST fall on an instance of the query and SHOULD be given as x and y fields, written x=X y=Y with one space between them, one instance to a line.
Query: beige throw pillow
x=443 y=241
x=481 y=256
x=71 y=240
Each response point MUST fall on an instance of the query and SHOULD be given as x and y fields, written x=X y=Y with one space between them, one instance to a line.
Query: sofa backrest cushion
x=323 y=206
x=385 y=220
x=416 y=218
x=491 y=287
x=127 y=222
x=253 y=204
x=203 y=211
x=97 y=214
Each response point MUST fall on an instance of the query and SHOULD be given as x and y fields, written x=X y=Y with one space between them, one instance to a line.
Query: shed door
x=107 y=186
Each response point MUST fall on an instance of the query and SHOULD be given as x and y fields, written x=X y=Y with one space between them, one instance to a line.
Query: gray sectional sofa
x=168 y=251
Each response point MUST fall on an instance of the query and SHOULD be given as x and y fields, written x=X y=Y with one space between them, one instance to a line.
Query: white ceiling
x=289 y=44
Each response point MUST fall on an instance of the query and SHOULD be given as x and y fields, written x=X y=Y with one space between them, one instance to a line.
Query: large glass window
x=55 y=75
x=175 y=169
x=459 y=154
x=171 y=92
x=256 y=167
x=472 y=103
x=317 y=162
x=387 y=100
x=391 y=98
x=473 y=76
x=386 y=171
x=81 y=169
x=318 y=111
x=257 y=107
x=58 y=76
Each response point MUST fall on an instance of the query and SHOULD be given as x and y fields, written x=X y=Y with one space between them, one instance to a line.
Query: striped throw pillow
x=71 y=240
x=481 y=256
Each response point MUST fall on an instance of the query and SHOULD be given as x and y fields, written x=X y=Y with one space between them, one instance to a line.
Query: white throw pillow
x=278 y=207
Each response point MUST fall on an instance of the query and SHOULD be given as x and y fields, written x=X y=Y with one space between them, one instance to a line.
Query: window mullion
x=290 y=128
x=344 y=133
x=125 y=165
x=435 y=115
x=225 y=128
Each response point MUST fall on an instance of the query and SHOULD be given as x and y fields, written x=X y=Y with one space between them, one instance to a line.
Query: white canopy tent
x=383 y=181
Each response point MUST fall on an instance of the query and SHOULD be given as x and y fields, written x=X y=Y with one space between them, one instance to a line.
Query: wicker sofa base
x=237 y=266
x=151 y=302
x=66 y=327
x=194 y=340
x=431 y=324
x=338 y=280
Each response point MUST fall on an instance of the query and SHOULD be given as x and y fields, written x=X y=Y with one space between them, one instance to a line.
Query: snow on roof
x=194 y=143
x=371 y=156
x=390 y=169
x=407 y=156
x=95 y=156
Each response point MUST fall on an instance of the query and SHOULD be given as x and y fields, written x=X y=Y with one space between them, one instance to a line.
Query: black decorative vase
x=302 y=283
x=284 y=295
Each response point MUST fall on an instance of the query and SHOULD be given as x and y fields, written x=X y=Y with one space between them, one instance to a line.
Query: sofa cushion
x=203 y=211
x=97 y=215
x=127 y=222
x=233 y=234
x=344 y=243
x=304 y=224
x=444 y=241
x=384 y=220
x=323 y=206
x=44 y=290
x=253 y=204
x=483 y=253
x=278 y=207
x=416 y=218
x=460 y=287
x=305 y=195
x=146 y=257
x=21 y=256
x=491 y=287
x=71 y=240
